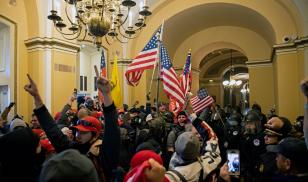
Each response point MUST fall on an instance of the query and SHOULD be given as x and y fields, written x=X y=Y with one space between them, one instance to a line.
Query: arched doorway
x=215 y=67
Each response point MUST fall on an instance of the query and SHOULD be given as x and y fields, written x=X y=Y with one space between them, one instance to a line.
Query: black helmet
x=252 y=116
x=235 y=119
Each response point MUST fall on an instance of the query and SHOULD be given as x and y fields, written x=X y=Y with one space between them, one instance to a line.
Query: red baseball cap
x=89 y=123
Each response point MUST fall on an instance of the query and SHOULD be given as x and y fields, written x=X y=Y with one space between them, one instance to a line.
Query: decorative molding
x=259 y=63
x=291 y=47
x=42 y=43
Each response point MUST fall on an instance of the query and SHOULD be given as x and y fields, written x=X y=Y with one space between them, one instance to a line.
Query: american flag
x=146 y=59
x=169 y=78
x=103 y=65
x=201 y=101
x=186 y=77
x=103 y=74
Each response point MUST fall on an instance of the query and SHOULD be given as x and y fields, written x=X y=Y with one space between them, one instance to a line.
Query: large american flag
x=186 y=77
x=201 y=101
x=103 y=65
x=146 y=59
x=169 y=78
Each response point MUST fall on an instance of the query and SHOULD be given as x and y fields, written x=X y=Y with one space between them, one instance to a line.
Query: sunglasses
x=85 y=123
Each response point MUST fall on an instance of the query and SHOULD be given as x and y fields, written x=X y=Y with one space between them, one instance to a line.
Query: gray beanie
x=69 y=165
x=187 y=146
x=17 y=123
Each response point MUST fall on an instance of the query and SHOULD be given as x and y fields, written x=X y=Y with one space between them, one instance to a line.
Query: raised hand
x=304 y=87
x=31 y=88
x=156 y=172
x=103 y=85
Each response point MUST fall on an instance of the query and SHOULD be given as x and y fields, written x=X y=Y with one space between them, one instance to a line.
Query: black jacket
x=18 y=158
x=109 y=151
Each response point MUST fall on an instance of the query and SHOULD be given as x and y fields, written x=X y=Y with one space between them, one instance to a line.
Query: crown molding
x=259 y=63
x=42 y=43
x=292 y=46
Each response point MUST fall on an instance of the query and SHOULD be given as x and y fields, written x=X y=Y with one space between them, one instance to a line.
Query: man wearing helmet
x=252 y=145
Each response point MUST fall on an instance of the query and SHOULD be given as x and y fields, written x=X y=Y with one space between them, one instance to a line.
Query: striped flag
x=103 y=74
x=201 y=101
x=103 y=65
x=146 y=59
x=186 y=76
x=169 y=78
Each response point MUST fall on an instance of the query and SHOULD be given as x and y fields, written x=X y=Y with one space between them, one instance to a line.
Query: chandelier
x=112 y=19
x=245 y=88
x=231 y=83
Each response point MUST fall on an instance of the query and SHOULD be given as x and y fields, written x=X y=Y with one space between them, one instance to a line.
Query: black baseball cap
x=291 y=148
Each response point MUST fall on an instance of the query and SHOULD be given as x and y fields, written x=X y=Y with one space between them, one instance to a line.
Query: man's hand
x=304 y=87
x=31 y=88
x=72 y=98
x=224 y=173
x=156 y=172
x=103 y=85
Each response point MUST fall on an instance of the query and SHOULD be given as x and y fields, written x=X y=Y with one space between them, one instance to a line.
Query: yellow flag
x=115 y=83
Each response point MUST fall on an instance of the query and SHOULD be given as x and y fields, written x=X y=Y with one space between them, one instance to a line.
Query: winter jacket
x=109 y=149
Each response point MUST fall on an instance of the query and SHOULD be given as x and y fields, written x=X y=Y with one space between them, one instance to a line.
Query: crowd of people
x=99 y=142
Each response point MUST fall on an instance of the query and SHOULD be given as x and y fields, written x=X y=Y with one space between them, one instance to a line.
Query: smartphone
x=233 y=157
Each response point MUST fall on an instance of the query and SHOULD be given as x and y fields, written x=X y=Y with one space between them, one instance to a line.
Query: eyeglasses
x=85 y=123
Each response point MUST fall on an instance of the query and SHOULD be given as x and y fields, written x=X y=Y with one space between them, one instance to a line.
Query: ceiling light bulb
x=225 y=83
x=232 y=82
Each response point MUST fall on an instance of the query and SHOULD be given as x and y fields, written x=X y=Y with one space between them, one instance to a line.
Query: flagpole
x=158 y=65
x=152 y=78
x=188 y=94
x=219 y=116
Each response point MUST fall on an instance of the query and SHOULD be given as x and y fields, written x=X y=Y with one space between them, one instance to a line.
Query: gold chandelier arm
x=60 y=31
x=66 y=7
x=85 y=34
x=77 y=34
x=137 y=29
x=129 y=37
x=106 y=38
x=122 y=23
x=121 y=40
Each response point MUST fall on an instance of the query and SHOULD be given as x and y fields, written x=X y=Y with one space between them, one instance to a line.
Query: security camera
x=286 y=39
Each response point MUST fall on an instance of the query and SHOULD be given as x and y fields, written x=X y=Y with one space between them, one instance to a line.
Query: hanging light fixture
x=245 y=88
x=231 y=83
x=100 y=18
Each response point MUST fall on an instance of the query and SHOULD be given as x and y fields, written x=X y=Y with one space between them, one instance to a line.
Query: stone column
x=289 y=70
x=261 y=84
